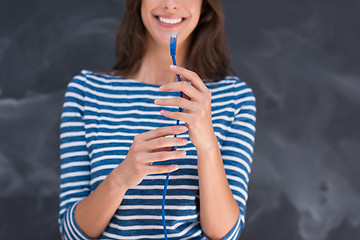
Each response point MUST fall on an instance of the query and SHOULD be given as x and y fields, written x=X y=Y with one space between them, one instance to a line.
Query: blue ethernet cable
x=173 y=37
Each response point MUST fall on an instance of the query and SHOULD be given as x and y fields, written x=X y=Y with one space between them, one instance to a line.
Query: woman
x=115 y=149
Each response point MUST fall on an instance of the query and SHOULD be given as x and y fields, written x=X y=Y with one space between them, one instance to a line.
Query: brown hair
x=208 y=53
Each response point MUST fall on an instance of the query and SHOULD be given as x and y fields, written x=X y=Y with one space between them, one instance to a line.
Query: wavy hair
x=208 y=53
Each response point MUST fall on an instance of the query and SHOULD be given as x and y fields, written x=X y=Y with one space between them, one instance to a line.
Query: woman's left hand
x=196 y=102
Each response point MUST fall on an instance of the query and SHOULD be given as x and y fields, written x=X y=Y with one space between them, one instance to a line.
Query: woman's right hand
x=149 y=147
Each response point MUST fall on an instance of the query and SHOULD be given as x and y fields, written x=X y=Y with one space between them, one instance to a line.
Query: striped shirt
x=101 y=116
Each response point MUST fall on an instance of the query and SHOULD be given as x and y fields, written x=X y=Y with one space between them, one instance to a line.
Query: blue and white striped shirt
x=101 y=116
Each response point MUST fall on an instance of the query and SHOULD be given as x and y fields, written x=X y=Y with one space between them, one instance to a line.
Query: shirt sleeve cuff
x=71 y=230
x=236 y=230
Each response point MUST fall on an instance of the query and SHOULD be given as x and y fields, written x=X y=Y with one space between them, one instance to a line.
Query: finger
x=184 y=117
x=192 y=76
x=162 y=131
x=183 y=86
x=164 y=156
x=164 y=149
x=162 y=169
x=176 y=101
x=186 y=96
x=163 y=142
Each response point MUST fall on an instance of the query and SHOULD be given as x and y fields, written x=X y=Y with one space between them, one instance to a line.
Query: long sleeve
x=237 y=151
x=75 y=163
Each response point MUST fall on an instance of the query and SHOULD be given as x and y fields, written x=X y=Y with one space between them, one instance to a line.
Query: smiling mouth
x=170 y=20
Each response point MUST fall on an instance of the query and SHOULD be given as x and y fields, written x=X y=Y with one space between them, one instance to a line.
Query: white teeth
x=170 y=20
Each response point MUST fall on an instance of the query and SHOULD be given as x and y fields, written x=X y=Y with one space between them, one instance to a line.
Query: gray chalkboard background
x=301 y=58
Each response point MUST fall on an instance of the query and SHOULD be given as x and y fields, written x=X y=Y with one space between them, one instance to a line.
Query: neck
x=155 y=64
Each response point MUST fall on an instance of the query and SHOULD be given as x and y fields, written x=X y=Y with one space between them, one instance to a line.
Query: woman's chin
x=163 y=38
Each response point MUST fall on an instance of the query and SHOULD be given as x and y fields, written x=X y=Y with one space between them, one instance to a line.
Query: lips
x=172 y=21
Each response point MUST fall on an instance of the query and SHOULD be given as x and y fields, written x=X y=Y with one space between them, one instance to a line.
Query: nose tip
x=170 y=5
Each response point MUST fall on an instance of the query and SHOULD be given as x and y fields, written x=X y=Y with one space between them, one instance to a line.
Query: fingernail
x=182 y=128
x=173 y=67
